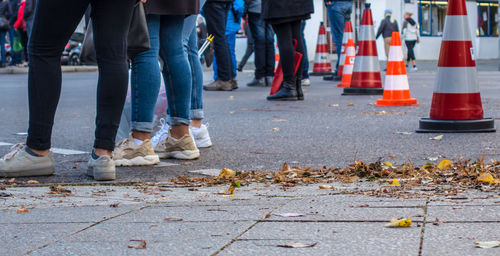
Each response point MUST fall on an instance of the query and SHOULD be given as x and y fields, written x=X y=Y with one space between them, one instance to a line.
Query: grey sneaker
x=18 y=163
x=219 y=85
x=257 y=82
x=102 y=168
x=183 y=148
x=234 y=84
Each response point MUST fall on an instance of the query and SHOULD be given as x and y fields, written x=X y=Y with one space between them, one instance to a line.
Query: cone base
x=396 y=103
x=428 y=125
x=325 y=73
x=342 y=85
x=362 y=91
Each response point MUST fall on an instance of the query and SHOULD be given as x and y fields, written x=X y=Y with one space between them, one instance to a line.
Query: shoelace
x=13 y=151
x=162 y=133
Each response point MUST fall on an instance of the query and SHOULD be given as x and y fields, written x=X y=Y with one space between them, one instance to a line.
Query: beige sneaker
x=18 y=163
x=127 y=153
x=219 y=85
x=183 y=148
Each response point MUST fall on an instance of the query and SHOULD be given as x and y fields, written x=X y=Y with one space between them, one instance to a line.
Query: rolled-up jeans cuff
x=177 y=121
x=197 y=114
x=142 y=126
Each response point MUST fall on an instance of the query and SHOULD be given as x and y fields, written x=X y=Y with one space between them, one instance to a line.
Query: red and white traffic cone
x=322 y=65
x=348 y=34
x=397 y=88
x=350 y=55
x=456 y=102
x=366 y=78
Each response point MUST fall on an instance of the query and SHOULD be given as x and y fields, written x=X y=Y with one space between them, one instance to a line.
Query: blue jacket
x=233 y=24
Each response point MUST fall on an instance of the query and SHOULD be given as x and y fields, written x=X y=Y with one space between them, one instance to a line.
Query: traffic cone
x=348 y=34
x=366 y=78
x=350 y=55
x=456 y=102
x=322 y=65
x=397 y=89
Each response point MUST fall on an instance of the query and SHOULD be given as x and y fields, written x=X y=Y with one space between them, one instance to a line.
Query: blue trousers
x=338 y=13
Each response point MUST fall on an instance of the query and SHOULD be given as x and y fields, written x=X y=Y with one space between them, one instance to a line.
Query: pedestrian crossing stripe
x=60 y=151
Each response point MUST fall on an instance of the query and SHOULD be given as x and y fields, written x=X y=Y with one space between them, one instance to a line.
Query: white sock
x=138 y=142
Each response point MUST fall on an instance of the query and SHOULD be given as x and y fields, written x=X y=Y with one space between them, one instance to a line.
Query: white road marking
x=60 y=151
x=164 y=164
x=208 y=172
x=5 y=144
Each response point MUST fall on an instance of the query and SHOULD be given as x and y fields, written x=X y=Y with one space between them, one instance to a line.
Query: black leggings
x=285 y=32
x=55 y=21
x=410 y=45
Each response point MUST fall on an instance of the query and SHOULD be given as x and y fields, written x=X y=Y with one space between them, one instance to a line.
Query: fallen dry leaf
x=265 y=216
x=297 y=245
x=22 y=209
x=394 y=182
x=403 y=133
x=399 y=223
x=141 y=245
x=115 y=205
x=325 y=187
x=227 y=173
x=444 y=165
x=439 y=137
x=436 y=222
x=487 y=177
x=276 y=129
x=333 y=105
x=58 y=190
x=487 y=244
x=32 y=182
x=172 y=219
x=350 y=105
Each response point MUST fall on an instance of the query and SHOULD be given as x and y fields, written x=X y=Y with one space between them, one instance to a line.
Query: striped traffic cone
x=366 y=78
x=456 y=102
x=322 y=65
x=350 y=55
x=396 y=89
x=348 y=34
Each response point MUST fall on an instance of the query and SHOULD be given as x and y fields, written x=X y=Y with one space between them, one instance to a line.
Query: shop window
x=487 y=18
x=432 y=14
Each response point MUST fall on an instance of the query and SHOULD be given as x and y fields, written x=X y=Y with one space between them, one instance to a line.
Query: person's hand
x=328 y=2
x=144 y=1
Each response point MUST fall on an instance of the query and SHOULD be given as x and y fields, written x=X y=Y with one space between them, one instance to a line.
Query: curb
x=65 y=69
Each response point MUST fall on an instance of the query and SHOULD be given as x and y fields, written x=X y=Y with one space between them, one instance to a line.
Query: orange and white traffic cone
x=397 y=88
x=322 y=65
x=350 y=55
x=366 y=78
x=456 y=102
x=348 y=34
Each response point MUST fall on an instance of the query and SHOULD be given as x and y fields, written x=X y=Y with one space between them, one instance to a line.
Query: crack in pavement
x=86 y=228
x=422 y=231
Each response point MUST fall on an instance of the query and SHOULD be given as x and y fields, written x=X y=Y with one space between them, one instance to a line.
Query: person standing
x=4 y=15
x=29 y=14
x=165 y=20
x=286 y=18
x=305 y=71
x=111 y=22
x=411 y=36
x=14 y=9
x=387 y=26
x=250 y=46
x=339 y=11
x=215 y=12
x=263 y=36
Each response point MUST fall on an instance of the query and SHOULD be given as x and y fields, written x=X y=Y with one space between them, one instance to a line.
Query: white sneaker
x=18 y=163
x=102 y=168
x=306 y=82
x=161 y=134
x=414 y=69
x=201 y=136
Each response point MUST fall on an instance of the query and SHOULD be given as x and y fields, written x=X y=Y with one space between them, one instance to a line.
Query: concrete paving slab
x=18 y=239
x=329 y=209
x=86 y=214
x=458 y=239
x=332 y=239
x=464 y=213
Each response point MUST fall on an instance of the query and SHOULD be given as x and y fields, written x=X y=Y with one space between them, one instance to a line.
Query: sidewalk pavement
x=65 y=69
x=257 y=220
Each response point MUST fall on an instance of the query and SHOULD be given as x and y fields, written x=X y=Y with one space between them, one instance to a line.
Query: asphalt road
x=251 y=133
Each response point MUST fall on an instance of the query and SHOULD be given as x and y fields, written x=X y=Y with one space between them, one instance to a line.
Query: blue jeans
x=16 y=57
x=338 y=13
x=231 y=42
x=263 y=36
x=305 y=71
x=165 y=33
x=2 y=47
x=190 y=40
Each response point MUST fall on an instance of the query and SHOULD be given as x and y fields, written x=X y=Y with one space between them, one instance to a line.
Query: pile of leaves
x=465 y=174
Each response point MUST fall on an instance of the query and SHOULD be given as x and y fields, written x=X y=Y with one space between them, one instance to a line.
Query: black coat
x=5 y=10
x=387 y=27
x=286 y=10
x=29 y=9
x=172 y=7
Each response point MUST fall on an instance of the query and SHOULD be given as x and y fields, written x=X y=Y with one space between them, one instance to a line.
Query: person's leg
x=287 y=52
x=231 y=42
x=257 y=29
x=2 y=48
x=44 y=77
x=16 y=57
x=337 y=22
x=191 y=48
x=145 y=83
x=111 y=22
x=297 y=36
x=216 y=16
x=269 y=44
x=305 y=70
x=248 y=51
x=387 y=46
x=29 y=26
x=178 y=83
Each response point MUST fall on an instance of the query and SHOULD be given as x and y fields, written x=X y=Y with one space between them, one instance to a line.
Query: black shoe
x=269 y=80
x=257 y=82
x=333 y=77
x=300 y=93
x=239 y=69
x=287 y=92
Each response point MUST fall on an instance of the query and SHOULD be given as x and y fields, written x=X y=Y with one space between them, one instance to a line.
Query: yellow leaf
x=22 y=209
x=487 y=177
x=399 y=223
x=325 y=187
x=394 y=182
x=440 y=137
x=227 y=173
x=388 y=163
x=487 y=244
x=445 y=164
x=427 y=166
